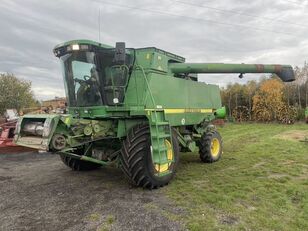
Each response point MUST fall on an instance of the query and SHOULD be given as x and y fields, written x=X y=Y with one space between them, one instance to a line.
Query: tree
x=15 y=93
x=268 y=100
x=299 y=88
x=232 y=96
x=250 y=90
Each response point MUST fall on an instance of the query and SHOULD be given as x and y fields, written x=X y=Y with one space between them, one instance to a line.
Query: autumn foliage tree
x=15 y=93
x=268 y=100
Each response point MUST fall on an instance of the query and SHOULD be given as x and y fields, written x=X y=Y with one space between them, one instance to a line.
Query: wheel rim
x=215 y=147
x=164 y=167
x=58 y=142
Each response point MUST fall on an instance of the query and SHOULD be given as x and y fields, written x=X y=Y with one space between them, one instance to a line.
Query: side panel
x=124 y=126
x=185 y=102
x=136 y=89
x=148 y=61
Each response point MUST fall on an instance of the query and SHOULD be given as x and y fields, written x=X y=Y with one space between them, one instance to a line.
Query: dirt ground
x=38 y=192
x=297 y=135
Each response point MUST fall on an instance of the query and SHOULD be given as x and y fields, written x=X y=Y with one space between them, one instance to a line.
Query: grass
x=261 y=182
x=94 y=217
x=107 y=224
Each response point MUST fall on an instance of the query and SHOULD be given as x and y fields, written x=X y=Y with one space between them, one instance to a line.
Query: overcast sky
x=235 y=31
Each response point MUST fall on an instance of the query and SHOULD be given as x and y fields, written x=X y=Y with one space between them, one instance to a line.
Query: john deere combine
x=137 y=108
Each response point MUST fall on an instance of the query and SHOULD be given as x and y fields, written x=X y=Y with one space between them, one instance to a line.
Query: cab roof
x=82 y=41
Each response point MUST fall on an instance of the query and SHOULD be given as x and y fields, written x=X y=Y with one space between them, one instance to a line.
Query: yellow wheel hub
x=164 y=167
x=215 y=147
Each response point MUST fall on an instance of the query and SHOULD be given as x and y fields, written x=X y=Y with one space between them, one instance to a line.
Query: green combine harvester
x=137 y=108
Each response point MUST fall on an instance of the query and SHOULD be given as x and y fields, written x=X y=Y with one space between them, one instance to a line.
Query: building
x=57 y=102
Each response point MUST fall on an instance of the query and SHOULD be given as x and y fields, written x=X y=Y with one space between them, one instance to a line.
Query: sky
x=232 y=31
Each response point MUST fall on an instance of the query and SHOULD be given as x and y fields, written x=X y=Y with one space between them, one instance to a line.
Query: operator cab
x=94 y=74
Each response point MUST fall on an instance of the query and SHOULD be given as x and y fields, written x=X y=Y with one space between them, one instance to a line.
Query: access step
x=161 y=136
x=159 y=123
x=159 y=149
x=164 y=162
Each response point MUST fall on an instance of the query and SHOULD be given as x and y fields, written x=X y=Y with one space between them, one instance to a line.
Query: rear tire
x=136 y=160
x=78 y=165
x=210 y=148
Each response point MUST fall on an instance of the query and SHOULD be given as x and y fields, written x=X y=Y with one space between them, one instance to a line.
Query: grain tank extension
x=137 y=108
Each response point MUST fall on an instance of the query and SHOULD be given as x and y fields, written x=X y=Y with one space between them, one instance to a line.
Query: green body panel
x=159 y=89
x=125 y=125
x=178 y=97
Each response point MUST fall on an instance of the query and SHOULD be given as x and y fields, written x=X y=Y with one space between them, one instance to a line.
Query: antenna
x=99 y=24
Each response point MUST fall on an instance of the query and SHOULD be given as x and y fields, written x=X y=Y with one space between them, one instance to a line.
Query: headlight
x=75 y=47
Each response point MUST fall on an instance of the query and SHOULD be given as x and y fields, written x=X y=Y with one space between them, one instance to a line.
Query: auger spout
x=284 y=72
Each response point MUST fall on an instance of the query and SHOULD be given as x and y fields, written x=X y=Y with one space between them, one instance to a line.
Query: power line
x=222 y=11
x=194 y=18
x=295 y=2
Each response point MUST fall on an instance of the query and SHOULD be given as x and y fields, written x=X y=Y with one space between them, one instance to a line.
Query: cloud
x=202 y=31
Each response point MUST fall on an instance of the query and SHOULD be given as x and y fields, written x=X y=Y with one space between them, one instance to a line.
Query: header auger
x=135 y=107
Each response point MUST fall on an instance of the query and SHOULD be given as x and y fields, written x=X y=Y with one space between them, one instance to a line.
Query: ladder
x=160 y=131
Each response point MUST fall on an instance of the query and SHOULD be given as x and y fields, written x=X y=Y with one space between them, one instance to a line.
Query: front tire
x=136 y=159
x=210 y=148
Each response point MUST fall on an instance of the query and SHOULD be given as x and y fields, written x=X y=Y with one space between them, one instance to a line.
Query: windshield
x=94 y=79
